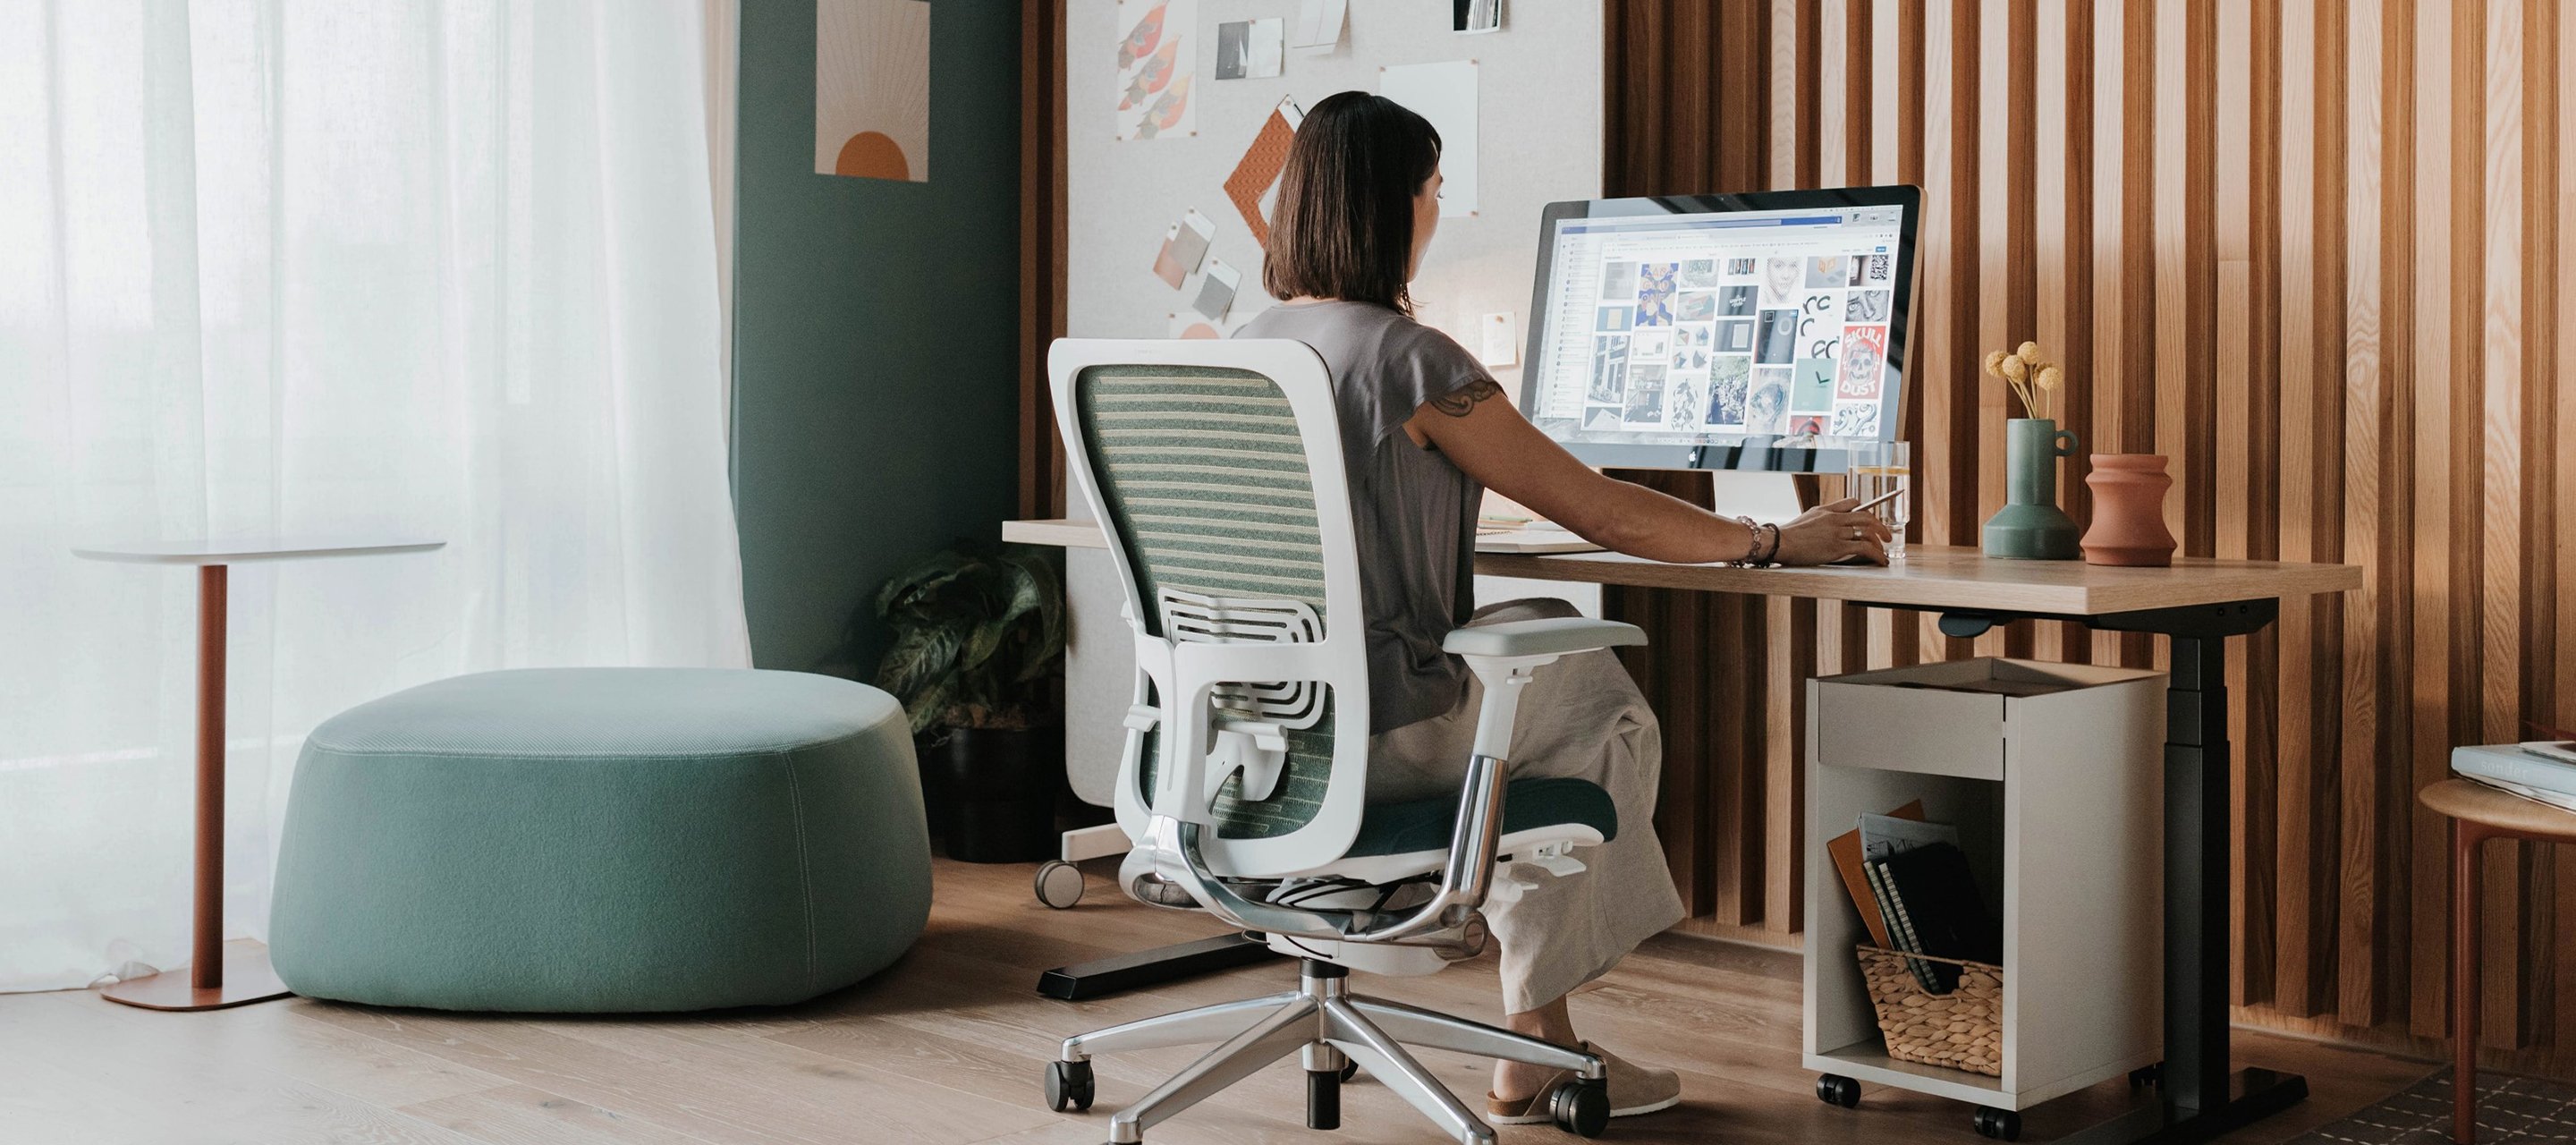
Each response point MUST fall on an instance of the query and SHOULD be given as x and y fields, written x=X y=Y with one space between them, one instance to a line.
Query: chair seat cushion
x=1528 y=805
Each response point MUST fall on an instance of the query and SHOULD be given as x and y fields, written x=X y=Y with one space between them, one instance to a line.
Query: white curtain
x=439 y=267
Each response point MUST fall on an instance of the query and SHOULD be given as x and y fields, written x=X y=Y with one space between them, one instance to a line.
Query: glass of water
x=1879 y=468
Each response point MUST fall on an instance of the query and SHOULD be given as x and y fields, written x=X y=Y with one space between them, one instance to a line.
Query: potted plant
x=977 y=662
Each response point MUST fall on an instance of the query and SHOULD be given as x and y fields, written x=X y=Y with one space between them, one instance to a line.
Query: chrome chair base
x=1332 y=1028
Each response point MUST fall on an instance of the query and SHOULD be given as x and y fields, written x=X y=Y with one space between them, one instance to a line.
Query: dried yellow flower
x=2029 y=352
x=2016 y=369
x=2050 y=378
x=1995 y=364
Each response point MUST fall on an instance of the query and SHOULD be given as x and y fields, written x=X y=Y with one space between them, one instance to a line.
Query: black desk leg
x=2203 y=1099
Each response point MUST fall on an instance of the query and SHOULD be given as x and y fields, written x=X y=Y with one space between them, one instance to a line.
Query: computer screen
x=1754 y=331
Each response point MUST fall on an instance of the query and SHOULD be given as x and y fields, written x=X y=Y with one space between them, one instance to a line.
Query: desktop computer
x=1753 y=332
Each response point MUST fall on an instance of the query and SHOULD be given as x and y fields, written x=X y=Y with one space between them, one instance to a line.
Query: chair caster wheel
x=2145 y=1076
x=1059 y=884
x=1350 y=1070
x=2003 y=1123
x=1581 y=1108
x=1835 y=1089
x=1068 y=1086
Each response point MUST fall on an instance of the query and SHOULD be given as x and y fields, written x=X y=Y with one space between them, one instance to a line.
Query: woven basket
x=1963 y=1029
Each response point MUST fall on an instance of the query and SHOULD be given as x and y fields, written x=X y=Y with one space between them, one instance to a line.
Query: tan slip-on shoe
x=1634 y=1089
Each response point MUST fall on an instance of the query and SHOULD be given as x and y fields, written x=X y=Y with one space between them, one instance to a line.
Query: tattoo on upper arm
x=1461 y=402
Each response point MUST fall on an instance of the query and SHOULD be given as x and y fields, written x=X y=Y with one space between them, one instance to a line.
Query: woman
x=1424 y=437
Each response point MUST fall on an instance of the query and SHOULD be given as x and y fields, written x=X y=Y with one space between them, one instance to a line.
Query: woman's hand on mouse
x=1829 y=533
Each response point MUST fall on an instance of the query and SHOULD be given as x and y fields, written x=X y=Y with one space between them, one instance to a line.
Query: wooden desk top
x=1930 y=576
x=239 y=550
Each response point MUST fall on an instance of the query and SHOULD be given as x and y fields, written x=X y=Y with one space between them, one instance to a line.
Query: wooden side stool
x=2478 y=813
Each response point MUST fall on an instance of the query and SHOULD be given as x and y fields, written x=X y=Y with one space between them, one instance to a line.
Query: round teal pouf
x=596 y=840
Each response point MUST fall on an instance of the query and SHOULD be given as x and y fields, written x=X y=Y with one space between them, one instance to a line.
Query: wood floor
x=946 y=1047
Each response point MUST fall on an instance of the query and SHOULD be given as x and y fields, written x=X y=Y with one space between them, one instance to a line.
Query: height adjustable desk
x=2195 y=605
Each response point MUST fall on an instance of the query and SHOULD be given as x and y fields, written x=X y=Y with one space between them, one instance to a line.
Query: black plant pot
x=997 y=792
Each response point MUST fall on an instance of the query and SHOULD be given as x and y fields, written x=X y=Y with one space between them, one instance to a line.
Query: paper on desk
x=1445 y=94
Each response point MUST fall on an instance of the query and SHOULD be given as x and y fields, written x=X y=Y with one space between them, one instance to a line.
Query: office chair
x=1217 y=469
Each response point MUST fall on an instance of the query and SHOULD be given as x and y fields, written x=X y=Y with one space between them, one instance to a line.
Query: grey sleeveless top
x=1415 y=513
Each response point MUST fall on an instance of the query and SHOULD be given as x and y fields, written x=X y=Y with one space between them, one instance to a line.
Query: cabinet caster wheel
x=1835 y=1089
x=2145 y=1076
x=1068 y=1086
x=2003 y=1123
x=1581 y=1108
x=1059 y=884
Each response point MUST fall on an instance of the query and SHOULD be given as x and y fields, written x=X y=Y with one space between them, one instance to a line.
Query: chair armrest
x=1552 y=636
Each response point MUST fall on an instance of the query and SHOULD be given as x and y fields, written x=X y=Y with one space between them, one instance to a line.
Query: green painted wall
x=874 y=335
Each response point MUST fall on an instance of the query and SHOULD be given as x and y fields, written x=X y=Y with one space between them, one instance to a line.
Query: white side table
x=210 y=983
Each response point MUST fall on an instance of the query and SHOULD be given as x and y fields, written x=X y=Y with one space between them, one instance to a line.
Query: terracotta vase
x=2129 y=511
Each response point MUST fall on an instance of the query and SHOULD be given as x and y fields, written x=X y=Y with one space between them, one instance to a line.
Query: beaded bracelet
x=1759 y=555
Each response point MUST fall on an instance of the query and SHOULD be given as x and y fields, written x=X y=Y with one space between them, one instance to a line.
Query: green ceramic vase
x=2032 y=527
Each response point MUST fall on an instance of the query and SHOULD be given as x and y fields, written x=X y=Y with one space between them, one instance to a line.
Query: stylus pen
x=1879 y=500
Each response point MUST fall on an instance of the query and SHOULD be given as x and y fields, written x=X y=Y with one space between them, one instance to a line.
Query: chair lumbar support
x=1333 y=1030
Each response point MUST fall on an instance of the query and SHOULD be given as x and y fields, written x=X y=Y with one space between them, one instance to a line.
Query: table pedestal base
x=247 y=979
x=2252 y=1095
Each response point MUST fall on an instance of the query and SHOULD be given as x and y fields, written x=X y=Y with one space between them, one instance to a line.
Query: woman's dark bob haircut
x=1343 y=227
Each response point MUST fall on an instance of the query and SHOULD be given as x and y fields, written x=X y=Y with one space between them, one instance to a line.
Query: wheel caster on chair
x=1835 y=1089
x=2003 y=1123
x=1068 y=1086
x=1059 y=884
x=1581 y=1108
x=1350 y=1070
x=2145 y=1076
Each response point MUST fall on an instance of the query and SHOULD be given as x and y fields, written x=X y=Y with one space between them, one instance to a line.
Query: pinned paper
x=1216 y=290
x=1192 y=326
x=1445 y=94
x=1185 y=245
x=1319 y=23
x=1263 y=56
x=1497 y=346
x=1476 y=15
x=1260 y=167
x=1156 y=58
x=872 y=89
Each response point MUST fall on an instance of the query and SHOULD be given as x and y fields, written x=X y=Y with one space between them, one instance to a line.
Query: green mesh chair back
x=1207 y=486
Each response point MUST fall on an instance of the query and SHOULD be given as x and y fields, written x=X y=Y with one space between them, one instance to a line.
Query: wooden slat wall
x=1040 y=485
x=2316 y=251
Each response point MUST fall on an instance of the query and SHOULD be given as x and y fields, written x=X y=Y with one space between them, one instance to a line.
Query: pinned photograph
x=1476 y=15
x=1216 y=290
x=1233 y=49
